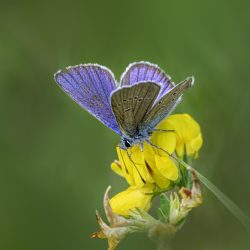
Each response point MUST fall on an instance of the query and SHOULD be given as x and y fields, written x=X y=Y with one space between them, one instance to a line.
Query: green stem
x=164 y=245
x=226 y=201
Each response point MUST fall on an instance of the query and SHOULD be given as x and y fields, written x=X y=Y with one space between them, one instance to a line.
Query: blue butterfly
x=144 y=97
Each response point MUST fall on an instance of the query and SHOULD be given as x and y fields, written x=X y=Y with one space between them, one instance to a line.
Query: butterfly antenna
x=155 y=146
x=164 y=130
x=141 y=147
x=130 y=157
x=123 y=160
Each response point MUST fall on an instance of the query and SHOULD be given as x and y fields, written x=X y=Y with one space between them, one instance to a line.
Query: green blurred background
x=55 y=158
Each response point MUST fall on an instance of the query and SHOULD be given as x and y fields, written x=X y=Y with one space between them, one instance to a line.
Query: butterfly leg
x=164 y=130
x=141 y=147
x=155 y=146
x=130 y=153
x=130 y=158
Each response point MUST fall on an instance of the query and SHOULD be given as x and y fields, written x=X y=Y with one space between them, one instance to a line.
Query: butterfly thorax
x=127 y=142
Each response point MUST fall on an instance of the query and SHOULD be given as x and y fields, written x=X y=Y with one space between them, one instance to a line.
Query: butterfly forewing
x=165 y=105
x=90 y=86
x=130 y=105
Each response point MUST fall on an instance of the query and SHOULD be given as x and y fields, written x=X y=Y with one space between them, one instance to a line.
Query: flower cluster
x=172 y=213
x=153 y=170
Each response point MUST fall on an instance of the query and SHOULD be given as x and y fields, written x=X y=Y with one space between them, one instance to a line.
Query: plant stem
x=163 y=245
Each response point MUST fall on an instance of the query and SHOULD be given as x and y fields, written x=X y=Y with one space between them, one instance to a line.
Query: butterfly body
x=145 y=96
x=138 y=138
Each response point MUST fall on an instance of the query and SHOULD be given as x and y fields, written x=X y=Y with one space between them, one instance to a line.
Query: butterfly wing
x=90 y=85
x=165 y=105
x=131 y=103
x=148 y=72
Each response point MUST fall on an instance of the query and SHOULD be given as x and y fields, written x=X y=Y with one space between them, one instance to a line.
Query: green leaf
x=185 y=177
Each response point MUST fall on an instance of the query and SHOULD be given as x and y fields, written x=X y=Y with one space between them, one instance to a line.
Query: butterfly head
x=126 y=143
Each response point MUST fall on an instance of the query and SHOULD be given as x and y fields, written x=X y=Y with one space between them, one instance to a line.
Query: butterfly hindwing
x=130 y=104
x=165 y=105
x=147 y=72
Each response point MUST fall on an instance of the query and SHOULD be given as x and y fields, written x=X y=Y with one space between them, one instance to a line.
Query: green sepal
x=157 y=191
x=185 y=178
x=164 y=209
x=180 y=224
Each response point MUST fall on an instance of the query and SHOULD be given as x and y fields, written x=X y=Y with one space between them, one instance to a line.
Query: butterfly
x=132 y=108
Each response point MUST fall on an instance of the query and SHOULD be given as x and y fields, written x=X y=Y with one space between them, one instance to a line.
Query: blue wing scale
x=90 y=85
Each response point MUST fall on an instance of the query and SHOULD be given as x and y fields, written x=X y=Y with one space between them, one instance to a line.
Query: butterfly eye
x=127 y=144
x=139 y=100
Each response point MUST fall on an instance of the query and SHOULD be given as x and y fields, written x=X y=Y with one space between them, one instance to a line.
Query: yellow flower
x=187 y=133
x=145 y=172
x=147 y=167
x=132 y=198
x=133 y=168
x=162 y=168
x=153 y=169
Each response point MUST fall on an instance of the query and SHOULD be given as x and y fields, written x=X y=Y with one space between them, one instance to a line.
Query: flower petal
x=165 y=139
x=127 y=169
x=167 y=167
x=132 y=166
x=187 y=133
x=117 y=168
x=132 y=198
x=194 y=146
x=185 y=126
x=159 y=166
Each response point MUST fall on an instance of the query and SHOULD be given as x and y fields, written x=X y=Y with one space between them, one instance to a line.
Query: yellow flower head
x=147 y=167
x=187 y=133
x=145 y=172
x=153 y=169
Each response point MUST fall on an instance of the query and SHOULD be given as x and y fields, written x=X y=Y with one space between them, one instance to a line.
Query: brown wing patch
x=165 y=105
x=130 y=105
